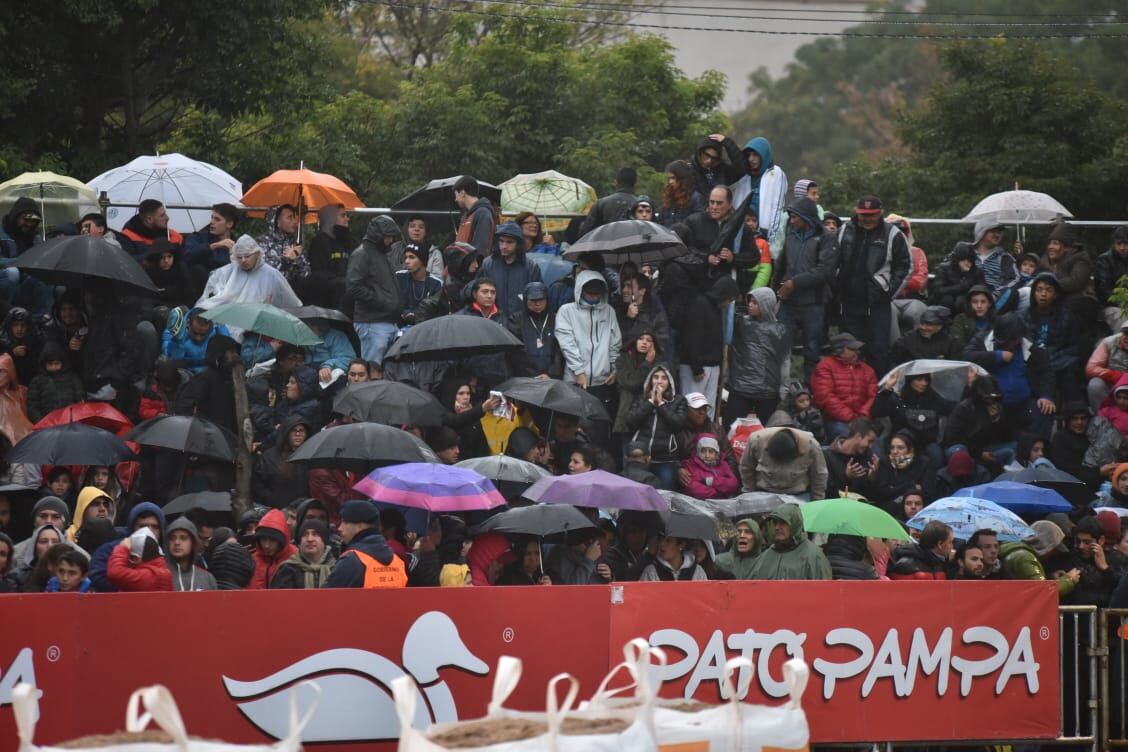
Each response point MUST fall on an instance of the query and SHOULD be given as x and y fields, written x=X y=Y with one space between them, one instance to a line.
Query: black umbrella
x=209 y=501
x=360 y=447
x=70 y=444
x=80 y=260
x=541 y=520
x=438 y=195
x=453 y=337
x=390 y=402
x=510 y=475
x=330 y=316
x=554 y=395
x=186 y=433
x=1065 y=484
x=630 y=240
x=685 y=519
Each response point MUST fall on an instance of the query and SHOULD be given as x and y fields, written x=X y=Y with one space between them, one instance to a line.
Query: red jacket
x=918 y=277
x=148 y=575
x=274 y=526
x=843 y=391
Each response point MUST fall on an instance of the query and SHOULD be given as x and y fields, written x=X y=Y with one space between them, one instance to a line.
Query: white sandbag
x=160 y=708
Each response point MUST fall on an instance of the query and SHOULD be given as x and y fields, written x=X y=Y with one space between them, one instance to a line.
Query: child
x=806 y=416
x=1115 y=406
x=20 y=338
x=709 y=478
x=70 y=574
x=56 y=386
x=1027 y=268
x=753 y=262
x=978 y=320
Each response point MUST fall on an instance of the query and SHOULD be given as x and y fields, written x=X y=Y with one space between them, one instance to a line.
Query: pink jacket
x=724 y=484
x=1113 y=414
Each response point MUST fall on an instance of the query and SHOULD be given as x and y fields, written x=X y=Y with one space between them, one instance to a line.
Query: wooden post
x=241 y=499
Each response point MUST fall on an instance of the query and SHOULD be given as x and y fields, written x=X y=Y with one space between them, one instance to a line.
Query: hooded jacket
x=658 y=427
x=136 y=239
x=85 y=497
x=741 y=566
x=797 y=558
x=273 y=525
x=1056 y=331
x=1111 y=412
x=873 y=265
x=706 y=179
x=32 y=341
x=846 y=554
x=478 y=227
x=760 y=353
x=191 y=577
x=12 y=242
x=809 y=260
x=804 y=473
x=177 y=342
x=766 y=192
x=911 y=562
x=371 y=280
x=1073 y=270
x=1021 y=562
x=100 y=558
x=915 y=346
x=510 y=279
x=277 y=482
x=588 y=334
x=659 y=570
x=1107 y=271
x=843 y=391
x=348 y=572
x=329 y=251
x=210 y=393
x=998 y=267
x=50 y=391
x=148 y=575
x=709 y=481
x=274 y=242
x=631 y=371
x=950 y=285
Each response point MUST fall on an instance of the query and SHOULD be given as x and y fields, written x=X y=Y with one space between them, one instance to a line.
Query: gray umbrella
x=209 y=501
x=503 y=467
x=360 y=447
x=689 y=518
x=630 y=240
x=540 y=520
x=555 y=395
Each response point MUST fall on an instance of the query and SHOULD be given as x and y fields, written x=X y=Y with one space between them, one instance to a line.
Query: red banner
x=889 y=661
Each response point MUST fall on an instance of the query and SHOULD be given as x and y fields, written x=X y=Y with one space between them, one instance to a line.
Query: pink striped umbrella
x=431 y=486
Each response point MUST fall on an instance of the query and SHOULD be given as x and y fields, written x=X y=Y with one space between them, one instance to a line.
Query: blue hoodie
x=97 y=573
x=177 y=344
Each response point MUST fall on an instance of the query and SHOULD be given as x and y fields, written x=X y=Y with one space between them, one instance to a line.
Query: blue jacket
x=335 y=352
x=510 y=280
x=197 y=250
x=183 y=347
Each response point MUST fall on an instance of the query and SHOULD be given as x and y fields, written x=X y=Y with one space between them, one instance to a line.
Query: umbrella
x=186 y=433
x=552 y=268
x=98 y=414
x=1065 y=484
x=312 y=313
x=432 y=486
x=541 y=520
x=1119 y=511
x=684 y=519
x=438 y=195
x=554 y=395
x=171 y=179
x=949 y=377
x=511 y=476
x=752 y=502
x=1017 y=207
x=362 y=446
x=965 y=515
x=84 y=260
x=303 y=188
x=451 y=338
x=265 y=319
x=70 y=444
x=1020 y=498
x=630 y=240
x=209 y=501
x=546 y=193
x=390 y=402
x=597 y=488
x=61 y=198
x=851 y=517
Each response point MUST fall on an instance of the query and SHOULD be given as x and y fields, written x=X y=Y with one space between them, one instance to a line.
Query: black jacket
x=872 y=265
x=348 y=572
x=330 y=254
x=837 y=481
x=893 y=482
x=810 y=262
x=949 y=286
x=846 y=554
x=725 y=173
x=910 y=561
x=1110 y=267
x=371 y=281
x=111 y=352
x=701 y=341
x=613 y=208
x=906 y=410
x=658 y=426
x=914 y=346
x=210 y=393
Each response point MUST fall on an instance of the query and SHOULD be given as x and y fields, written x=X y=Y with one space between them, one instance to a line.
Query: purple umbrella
x=597 y=488
x=431 y=486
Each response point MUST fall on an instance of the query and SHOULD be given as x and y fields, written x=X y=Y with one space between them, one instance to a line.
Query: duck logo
x=356 y=701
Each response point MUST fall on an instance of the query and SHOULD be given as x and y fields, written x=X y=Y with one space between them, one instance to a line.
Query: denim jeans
x=667 y=473
x=811 y=319
x=375 y=338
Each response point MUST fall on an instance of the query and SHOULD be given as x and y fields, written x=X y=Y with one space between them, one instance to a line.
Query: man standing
x=536 y=327
x=873 y=263
x=149 y=223
x=414 y=283
x=181 y=541
x=329 y=256
x=589 y=338
x=367 y=562
x=509 y=269
x=803 y=273
x=371 y=283
x=615 y=207
x=710 y=167
x=791 y=556
x=480 y=218
x=1110 y=267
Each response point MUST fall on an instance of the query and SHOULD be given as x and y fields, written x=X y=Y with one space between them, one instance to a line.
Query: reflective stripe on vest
x=377 y=575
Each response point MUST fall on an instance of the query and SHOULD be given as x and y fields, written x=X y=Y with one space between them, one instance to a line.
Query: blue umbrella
x=965 y=515
x=1020 y=498
x=551 y=267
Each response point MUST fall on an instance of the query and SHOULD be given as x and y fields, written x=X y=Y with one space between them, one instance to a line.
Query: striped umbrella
x=431 y=486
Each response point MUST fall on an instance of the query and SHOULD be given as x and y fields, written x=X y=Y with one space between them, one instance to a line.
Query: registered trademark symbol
x=53 y=653
x=507 y=634
x=1044 y=633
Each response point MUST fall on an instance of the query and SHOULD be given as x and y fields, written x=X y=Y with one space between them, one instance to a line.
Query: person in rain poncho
x=247 y=279
x=791 y=556
x=741 y=558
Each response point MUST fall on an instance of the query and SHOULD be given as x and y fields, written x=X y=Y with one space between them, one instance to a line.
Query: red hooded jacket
x=273 y=526
x=843 y=391
x=147 y=576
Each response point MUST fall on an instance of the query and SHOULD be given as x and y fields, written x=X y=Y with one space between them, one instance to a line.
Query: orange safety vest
x=377 y=575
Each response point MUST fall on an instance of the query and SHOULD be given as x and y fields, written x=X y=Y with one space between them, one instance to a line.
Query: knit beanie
x=231 y=566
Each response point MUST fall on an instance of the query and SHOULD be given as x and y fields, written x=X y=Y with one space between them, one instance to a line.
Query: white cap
x=696 y=399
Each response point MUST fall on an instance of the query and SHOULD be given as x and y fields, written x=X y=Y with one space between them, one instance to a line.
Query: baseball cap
x=868 y=205
x=536 y=291
x=696 y=400
x=845 y=341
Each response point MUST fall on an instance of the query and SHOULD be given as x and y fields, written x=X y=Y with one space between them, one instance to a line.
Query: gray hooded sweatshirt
x=588 y=334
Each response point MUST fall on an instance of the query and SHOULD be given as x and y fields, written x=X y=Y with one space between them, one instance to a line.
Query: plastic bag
x=553 y=730
x=159 y=707
x=738 y=435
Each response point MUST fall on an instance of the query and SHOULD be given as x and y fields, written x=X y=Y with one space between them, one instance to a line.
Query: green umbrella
x=264 y=319
x=851 y=517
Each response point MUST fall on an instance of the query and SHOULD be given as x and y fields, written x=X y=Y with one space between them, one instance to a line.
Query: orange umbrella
x=303 y=188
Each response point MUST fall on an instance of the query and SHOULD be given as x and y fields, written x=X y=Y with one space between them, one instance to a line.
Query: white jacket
x=588 y=335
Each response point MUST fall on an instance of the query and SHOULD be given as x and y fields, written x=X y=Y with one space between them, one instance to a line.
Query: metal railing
x=1113 y=673
x=1079 y=653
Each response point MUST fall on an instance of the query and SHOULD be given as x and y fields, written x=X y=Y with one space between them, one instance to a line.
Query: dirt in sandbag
x=148 y=736
x=588 y=726
x=492 y=731
x=689 y=706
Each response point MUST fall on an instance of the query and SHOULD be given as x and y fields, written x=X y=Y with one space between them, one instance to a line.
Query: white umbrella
x=1018 y=207
x=949 y=377
x=171 y=179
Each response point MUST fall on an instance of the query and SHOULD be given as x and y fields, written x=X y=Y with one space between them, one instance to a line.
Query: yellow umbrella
x=549 y=192
x=60 y=198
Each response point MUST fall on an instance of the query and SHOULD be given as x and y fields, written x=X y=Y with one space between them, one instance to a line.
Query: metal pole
x=1095 y=662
